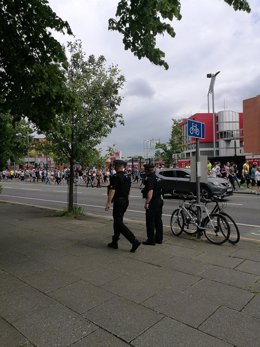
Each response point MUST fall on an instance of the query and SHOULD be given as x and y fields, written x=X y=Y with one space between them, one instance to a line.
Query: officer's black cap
x=119 y=162
x=148 y=166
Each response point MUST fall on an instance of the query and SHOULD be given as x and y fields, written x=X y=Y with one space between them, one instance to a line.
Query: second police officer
x=153 y=207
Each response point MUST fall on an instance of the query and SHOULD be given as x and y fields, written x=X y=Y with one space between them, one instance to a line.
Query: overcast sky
x=210 y=37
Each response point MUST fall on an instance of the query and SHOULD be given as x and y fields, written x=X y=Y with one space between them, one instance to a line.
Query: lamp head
x=210 y=75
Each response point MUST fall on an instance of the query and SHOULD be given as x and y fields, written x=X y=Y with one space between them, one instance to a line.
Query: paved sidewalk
x=61 y=286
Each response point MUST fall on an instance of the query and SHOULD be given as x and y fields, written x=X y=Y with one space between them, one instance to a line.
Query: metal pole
x=198 y=171
x=214 y=124
x=198 y=174
x=211 y=90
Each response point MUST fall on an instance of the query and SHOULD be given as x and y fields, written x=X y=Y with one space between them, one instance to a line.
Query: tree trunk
x=71 y=186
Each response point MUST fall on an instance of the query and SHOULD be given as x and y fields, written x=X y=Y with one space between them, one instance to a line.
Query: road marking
x=4 y=187
x=248 y=225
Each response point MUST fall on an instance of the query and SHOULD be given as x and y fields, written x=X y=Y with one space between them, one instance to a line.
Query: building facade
x=229 y=136
x=251 y=110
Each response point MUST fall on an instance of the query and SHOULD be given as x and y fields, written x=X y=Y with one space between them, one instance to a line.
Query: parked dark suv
x=178 y=181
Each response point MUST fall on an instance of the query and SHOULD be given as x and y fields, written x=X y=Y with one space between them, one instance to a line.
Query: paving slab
x=49 y=280
x=220 y=294
x=186 y=265
x=101 y=338
x=9 y=283
x=230 y=276
x=81 y=296
x=21 y=302
x=140 y=288
x=249 y=266
x=54 y=326
x=169 y=332
x=123 y=318
x=249 y=254
x=182 y=307
x=10 y=337
x=234 y=327
x=214 y=258
x=253 y=307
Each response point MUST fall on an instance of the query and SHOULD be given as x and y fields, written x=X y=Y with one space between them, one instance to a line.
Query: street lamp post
x=211 y=91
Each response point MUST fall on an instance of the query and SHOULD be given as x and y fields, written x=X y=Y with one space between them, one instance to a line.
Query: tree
x=165 y=151
x=142 y=21
x=32 y=62
x=96 y=91
x=15 y=139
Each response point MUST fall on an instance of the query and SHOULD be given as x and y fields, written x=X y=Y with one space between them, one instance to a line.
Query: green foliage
x=95 y=89
x=239 y=5
x=75 y=212
x=141 y=21
x=165 y=151
x=15 y=139
x=32 y=62
x=95 y=112
x=92 y=158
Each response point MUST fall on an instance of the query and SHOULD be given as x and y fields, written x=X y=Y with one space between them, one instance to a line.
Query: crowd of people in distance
x=89 y=177
x=93 y=177
x=249 y=176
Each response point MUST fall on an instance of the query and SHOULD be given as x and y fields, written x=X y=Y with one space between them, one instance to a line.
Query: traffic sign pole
x=197 y=130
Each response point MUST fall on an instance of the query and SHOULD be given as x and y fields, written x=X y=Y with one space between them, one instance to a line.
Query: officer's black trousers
x=154 y=221
x=119 y=208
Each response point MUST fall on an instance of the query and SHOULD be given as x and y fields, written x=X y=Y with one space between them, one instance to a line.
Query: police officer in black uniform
x=153 y=207
x=119 y=189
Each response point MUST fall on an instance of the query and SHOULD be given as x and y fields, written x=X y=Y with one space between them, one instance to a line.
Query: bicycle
x=194 y=218
x=234 y=236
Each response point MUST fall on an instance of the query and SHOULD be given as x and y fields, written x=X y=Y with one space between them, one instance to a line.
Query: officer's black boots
x=148 y=242
x=113 y=244
x=135 y=245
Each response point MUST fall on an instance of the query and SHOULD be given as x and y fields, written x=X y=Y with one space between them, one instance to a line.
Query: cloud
x=210 y=37
x=140 y=88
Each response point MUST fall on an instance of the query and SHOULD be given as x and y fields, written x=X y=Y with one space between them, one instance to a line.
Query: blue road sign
x=195 y=129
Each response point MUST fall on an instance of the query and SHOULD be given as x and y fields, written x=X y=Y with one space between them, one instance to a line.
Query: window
x=182 y=174
x=169 y=173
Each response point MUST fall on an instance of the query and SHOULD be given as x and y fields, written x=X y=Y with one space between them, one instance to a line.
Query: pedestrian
x=245 y=174
x=257 y=178
x=236 y=179
x=89 y=179
x=153 y=207
x=118 y=193
x=231 y=175
x=252 y=175
x=98 y=178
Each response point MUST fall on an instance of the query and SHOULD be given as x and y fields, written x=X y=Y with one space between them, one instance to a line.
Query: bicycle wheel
x=234 y=236
x=190 y=220
x=216 y=229
x=177 y=222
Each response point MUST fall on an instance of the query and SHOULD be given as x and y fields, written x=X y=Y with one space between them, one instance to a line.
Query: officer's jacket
x=151 y=183
x=121 y=183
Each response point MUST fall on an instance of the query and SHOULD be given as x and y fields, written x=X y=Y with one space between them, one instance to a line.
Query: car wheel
x=205 y=193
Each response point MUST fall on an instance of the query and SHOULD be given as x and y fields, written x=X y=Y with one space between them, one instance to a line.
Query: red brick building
x=251 y=110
